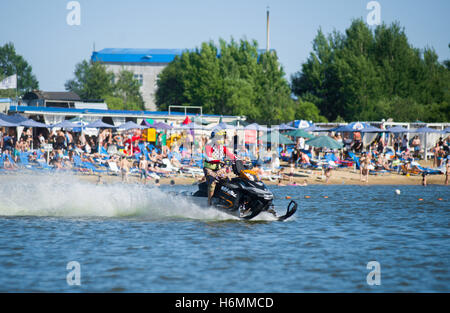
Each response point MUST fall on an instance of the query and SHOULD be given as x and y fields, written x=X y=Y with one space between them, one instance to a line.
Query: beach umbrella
x=131 y=125
x=275 y=136
x=186 y=121
x=161 y=125
x=64 y=124
x=283 y=127
x=301 y=124
x=13 y=119
x=324 y=142
x=350 y=128
x=315 y=128
x=235 y=123
x=397 y=130
x=4 y=123
x=99 y=124
x=299 y=133
x=32 y=123
x=255 y=126
x=372 y=129
x=222 y=126
x=199 y=120
x=192 y=126
x=424 y=130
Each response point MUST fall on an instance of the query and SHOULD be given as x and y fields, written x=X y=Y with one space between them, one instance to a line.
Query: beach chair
x=355 y=159
x=113 y=168
x=169 y=167
x=86 y=165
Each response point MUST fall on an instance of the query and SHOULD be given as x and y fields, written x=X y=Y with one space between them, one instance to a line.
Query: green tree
x=229 y=78
x=93 y=81
x=126 y=88
x=12 y=63
x=370 y=75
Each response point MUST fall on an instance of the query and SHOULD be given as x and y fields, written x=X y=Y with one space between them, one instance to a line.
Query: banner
x=9 y=82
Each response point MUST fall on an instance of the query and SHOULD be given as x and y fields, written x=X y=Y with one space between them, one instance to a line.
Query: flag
x=9 y=82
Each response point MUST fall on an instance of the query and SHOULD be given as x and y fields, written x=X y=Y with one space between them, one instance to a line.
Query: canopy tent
x=99 y=124
x=299 y=133
x=325 y=142
x=131 y=125
x=446 y=131
x=275 y=136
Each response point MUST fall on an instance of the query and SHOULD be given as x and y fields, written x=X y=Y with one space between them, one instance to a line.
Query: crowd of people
x=129 y=152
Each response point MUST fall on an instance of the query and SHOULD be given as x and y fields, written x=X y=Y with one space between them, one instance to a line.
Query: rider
x=216 y=151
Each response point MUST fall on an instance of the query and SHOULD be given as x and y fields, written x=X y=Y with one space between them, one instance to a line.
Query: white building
x=146 y=64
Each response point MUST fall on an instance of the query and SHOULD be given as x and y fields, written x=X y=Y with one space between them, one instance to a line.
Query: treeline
x=232 y=79
x=93 y=81
x=361 y=74
x=370 y=75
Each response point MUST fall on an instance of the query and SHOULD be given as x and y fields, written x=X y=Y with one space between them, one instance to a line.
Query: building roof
x=114 y=55
x=49 y=95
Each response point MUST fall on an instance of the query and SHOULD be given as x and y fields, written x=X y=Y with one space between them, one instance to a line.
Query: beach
x=314 y=177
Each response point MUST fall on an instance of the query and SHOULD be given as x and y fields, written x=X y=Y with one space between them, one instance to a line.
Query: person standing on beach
x=124 y=168
x=364 y=168
x=143 y=166
x=447 y=170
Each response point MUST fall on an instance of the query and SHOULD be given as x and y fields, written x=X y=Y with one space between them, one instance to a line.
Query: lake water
x=140 y=239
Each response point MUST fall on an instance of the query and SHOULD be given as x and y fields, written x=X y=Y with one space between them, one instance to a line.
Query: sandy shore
x=338 y=177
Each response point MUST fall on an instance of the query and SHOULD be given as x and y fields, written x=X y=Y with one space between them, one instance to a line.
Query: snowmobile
x=244 y=196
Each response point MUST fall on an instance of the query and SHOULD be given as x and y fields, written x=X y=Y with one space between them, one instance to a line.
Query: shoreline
x=338 y=177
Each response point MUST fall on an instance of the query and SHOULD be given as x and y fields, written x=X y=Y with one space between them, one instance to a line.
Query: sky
x=41 y=34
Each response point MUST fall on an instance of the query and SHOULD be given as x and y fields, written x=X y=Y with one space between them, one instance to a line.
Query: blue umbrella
x=4 y=123
x=32 y=123
x=255 y=126
x=64 y=124
x=424 y=130
x=222 y=126
x=315 y=128
x=301 y=124
x=99 y=124
x=396 y=130
x=372 y=129
x=14 y=119
x=131 y=125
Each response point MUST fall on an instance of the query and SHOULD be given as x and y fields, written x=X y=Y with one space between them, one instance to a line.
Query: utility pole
x=268 y=34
